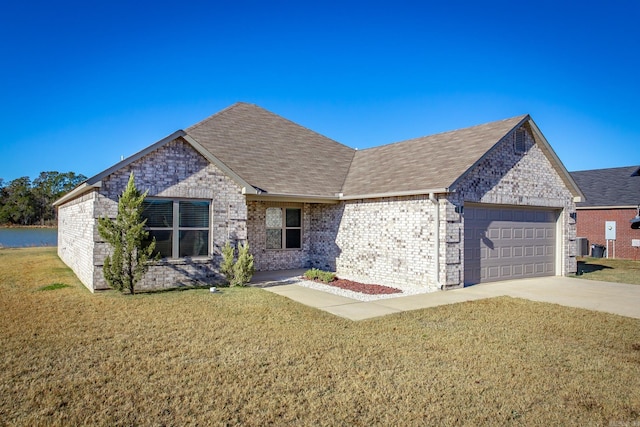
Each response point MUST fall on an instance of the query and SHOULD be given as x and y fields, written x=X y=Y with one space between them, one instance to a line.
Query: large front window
x=284 y=228
x=180 y=227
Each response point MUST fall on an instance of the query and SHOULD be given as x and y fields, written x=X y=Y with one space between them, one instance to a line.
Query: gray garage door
x=503 y=243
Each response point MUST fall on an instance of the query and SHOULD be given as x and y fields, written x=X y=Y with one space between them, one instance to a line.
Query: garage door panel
x=508 y=242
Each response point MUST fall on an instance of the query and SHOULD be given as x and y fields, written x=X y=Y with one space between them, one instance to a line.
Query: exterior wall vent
x=520 y=145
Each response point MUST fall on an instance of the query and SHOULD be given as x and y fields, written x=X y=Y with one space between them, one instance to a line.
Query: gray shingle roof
x=430 y=162
x=609 y=187
x=278 y=157
x=273 y=153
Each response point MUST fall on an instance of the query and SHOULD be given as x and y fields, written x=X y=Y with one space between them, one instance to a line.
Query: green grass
x=53 y=287
x=245 y=356
x=609 y=270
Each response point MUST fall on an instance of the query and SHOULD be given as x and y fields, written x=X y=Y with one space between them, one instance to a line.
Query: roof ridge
x=302 y=126
x=607 y=169
x=520 y=118
x=216 y=114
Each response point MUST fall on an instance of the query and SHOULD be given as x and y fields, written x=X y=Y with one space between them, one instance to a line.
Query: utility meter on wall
x=610 y=230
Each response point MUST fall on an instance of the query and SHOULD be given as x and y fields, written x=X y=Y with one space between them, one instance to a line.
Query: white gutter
x=580 y=208
x=297 y=198
x=394 y=194
x=434 y=200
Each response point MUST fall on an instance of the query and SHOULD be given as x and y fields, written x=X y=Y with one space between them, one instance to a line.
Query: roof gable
x=274 y=154
x=609 y=187
x=430 y=163
x=270 y=156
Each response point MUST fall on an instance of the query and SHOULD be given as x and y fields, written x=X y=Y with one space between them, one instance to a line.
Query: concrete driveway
x=616 y=298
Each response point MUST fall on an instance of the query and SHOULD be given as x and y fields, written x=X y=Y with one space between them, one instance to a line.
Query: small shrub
x=311 y=274
x=243 y=268
x=240 y=272
x=226 y=268
x=316 y=274
x=327 y=276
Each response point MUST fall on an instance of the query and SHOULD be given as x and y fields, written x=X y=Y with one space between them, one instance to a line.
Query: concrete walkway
x=616 y=298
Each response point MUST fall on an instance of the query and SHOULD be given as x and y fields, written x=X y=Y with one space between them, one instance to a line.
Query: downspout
x=434 y=200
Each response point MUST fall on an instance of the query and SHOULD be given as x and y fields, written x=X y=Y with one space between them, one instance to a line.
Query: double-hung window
x=284 y=228
x=180 y=227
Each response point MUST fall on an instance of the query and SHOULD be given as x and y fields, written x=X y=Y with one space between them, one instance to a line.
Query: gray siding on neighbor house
x=76 y=222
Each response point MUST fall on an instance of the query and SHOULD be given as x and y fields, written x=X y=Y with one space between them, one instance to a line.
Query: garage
x=507 y=242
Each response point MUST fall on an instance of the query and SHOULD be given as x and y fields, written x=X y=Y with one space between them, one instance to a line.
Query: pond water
x=23 y=237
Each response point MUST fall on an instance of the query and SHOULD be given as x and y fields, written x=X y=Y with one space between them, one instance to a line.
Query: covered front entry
x=508 y=242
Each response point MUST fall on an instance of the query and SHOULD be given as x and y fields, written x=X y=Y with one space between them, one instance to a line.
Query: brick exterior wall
x=175 y=170
x=276 y=259
x=591 y=224
x=508 y=178
x=76 y=241
x=391 y=241
x=388 y=241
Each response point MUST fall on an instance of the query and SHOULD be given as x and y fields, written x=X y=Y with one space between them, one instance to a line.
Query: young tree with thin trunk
x=129 y=259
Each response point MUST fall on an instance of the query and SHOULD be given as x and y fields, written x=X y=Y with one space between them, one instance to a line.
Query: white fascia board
x=302 y=198
x=586 y=208
x=395 y=194
x=293 y=198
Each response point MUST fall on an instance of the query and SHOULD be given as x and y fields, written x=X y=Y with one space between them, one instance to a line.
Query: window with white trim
x=284 y=228
x=180 y=227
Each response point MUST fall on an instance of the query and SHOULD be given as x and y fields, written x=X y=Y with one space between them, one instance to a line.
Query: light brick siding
x=391 y=241
x=175 y=170
x=76 y=236
x=507 y=178
x=383 y=241
x=388 y=241
x=591 y=224
x=276 y=259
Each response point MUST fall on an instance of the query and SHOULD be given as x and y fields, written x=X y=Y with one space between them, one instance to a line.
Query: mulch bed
x=361 y=287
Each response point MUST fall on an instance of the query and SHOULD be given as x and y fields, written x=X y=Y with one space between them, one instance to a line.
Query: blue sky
x=84 y=83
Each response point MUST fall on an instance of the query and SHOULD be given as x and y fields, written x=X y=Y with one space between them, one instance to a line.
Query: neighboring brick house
x=490 y=202
x=611 y=195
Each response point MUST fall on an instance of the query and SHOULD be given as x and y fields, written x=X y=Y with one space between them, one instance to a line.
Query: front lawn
x=249 y=357
x=609 y=270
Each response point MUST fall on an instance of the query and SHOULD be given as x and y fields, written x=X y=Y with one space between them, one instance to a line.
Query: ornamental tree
x=129 y=259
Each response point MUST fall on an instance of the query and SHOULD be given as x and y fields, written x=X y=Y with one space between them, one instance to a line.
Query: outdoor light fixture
x=635 y=222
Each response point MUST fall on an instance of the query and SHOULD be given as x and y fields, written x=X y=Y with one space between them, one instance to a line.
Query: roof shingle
x=609 y=187
x=272 y=153
x=430 y=162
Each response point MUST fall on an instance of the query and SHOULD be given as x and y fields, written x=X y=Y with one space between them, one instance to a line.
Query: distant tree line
x=26 y=202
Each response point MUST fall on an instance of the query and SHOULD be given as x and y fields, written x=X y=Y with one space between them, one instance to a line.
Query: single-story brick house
x=612 y=196
x=490 y=202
